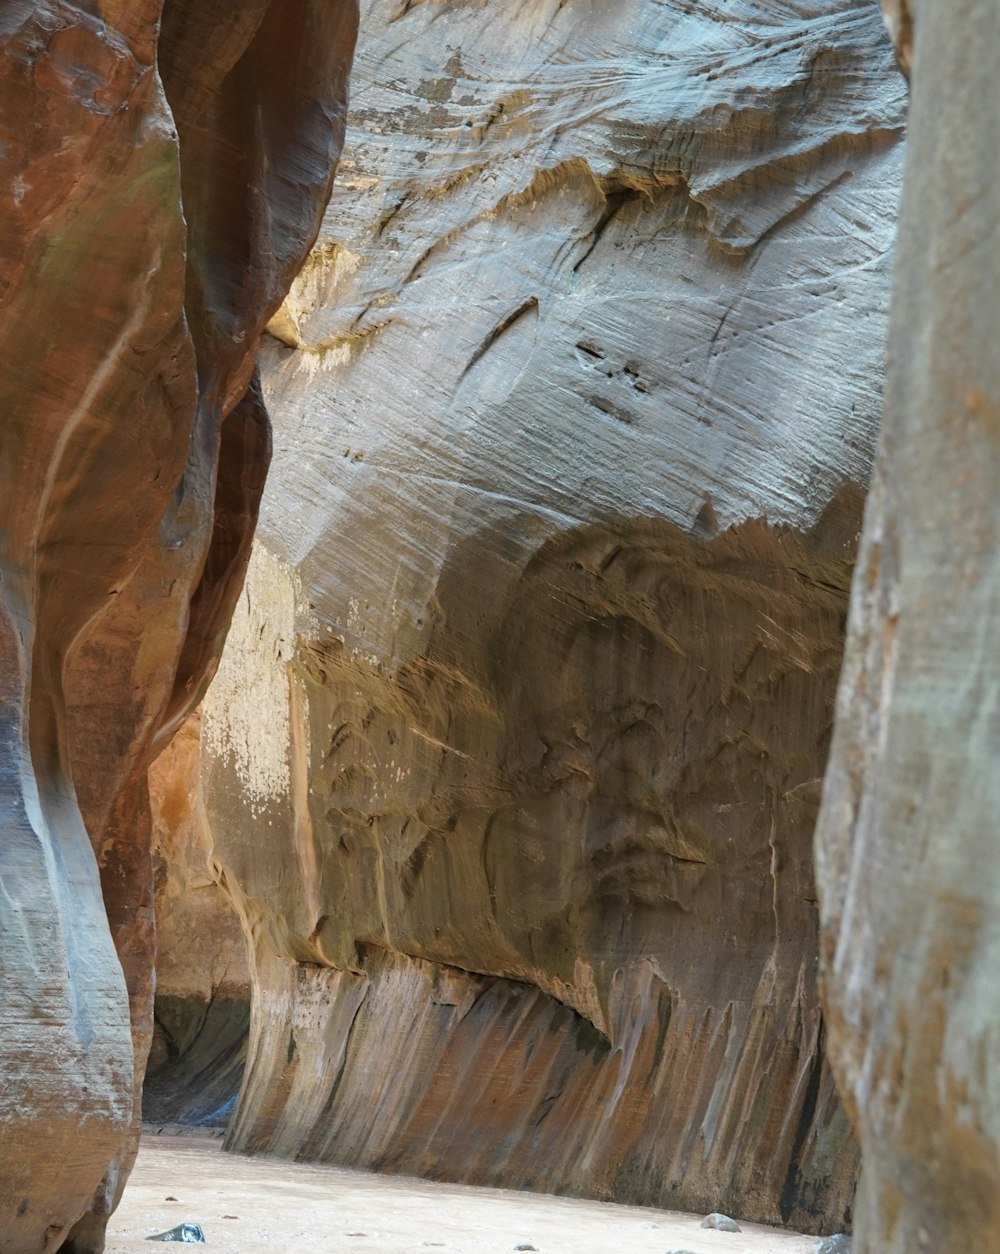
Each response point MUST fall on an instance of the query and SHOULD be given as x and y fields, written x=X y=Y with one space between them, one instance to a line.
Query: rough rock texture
x=907 y=840
x=135 y=284
x=513 y=761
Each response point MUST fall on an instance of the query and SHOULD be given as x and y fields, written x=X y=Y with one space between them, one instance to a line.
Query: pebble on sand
x=187 y=1234
x=721 y=1223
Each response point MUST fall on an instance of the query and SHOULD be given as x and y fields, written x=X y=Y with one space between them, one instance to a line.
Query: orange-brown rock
x=135 y=284
x=93 y=448
x=907 y=840
x=899 y=19
x=513 y=761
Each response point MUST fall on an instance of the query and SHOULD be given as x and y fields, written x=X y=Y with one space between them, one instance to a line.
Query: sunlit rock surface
x=907 y=840
x=899 y=20
x=513 y=761
x=135 y=286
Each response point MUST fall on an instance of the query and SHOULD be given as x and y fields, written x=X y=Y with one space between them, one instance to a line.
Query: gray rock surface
x=838 y=1244
x=721 y=1223
x=185 y=1234
x=907 y=847
x=513 y=760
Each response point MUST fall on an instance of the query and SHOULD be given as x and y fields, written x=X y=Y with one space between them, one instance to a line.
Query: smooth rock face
x=513 y=760
x=188 y=1234
x=132 y=459
x=907 y=839
x=91 y=206
x=721 y=1223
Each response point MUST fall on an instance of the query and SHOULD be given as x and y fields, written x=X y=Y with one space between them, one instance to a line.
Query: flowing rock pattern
x=92 y=451
x=137 y=276
x=513 y=760
x=907 y=840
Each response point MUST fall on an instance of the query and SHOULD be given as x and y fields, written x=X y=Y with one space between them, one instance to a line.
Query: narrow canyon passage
x=485 y=700
x=512 y=763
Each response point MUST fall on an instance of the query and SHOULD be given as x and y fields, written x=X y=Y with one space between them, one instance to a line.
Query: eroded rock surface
x=202 y=1005
x=91 y=203
x=513 y=761
x=907 y=838
x=135 y=284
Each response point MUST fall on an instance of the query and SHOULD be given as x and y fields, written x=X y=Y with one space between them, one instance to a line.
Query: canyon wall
x=907 y=858
x=202 y=1005
x=512 y=763
x=164 y=174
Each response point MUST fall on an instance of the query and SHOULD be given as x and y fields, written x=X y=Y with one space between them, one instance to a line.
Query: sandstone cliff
x=161 y=183
x=513 y=760
x=907 y=837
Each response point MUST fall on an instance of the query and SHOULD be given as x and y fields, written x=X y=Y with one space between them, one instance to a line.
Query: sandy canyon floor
x=255 y=1205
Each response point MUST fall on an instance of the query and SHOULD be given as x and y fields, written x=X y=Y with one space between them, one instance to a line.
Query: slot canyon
x=495 y=666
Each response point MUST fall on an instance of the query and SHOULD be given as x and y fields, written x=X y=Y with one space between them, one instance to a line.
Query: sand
x=254 y=1205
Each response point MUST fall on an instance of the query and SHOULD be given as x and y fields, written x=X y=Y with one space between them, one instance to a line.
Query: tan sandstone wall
x=513 y=761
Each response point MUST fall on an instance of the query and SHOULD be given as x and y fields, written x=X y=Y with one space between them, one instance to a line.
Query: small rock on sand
x=187 y=1234
x=722 y=1223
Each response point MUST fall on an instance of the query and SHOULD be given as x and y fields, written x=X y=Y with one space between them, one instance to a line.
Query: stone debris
x=722 y=1223
x=188 y=1234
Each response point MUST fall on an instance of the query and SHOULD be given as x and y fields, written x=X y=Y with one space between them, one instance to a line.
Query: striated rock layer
x=606 y=799
x=202 y=1005
x=161 y=186
x=907 y=837
x=513 y=761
